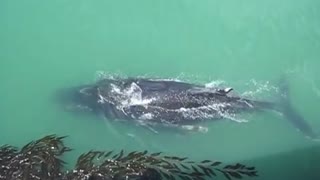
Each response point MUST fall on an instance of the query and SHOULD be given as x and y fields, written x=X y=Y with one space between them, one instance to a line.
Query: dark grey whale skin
x=169 y=97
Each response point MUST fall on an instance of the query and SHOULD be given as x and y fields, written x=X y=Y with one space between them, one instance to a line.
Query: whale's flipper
x=148 y=127
x=291 y=114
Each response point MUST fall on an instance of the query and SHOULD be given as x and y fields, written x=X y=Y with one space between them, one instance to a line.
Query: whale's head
x=93 y=98
x=80 y=98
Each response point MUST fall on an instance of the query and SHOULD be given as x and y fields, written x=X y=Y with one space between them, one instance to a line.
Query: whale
x=174 y=103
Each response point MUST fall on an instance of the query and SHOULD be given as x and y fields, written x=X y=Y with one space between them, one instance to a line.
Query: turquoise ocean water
x=247 y=45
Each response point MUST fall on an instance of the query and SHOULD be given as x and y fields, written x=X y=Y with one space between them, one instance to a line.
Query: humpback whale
x=172 y=102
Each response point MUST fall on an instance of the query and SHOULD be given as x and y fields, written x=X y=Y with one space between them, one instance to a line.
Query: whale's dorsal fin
x=227 y=90
x=224 y=91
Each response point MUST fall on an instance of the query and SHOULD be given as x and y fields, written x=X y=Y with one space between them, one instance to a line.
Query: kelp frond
x=41 y=159
x=38 y=159
x=144 y=165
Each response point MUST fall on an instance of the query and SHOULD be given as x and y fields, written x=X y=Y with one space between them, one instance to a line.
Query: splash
x=262 y=89
x=214 y=84
x=147 y=116
x=99 y=75
x=130 y=96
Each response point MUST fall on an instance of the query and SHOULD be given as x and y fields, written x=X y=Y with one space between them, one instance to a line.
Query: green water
x=248 y=44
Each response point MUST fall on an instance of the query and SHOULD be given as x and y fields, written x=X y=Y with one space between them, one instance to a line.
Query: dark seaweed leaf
x=211 y=172
x=108 y=154
x=235 y=175
x=132 y=153
x=237 y=166
x=250 y=168
x=205 y=161
x=205 y=170
x=249 y=173
x=172 y=177
x=184 y=166
x=156 y=154
x=175 y=158
x=120 y=155
x=174 y=171
x=176 y=167
x=167 y=176
x=155 y=162
x=195 y=169
x=226 y=175
x=114 y=156
x=190 y=162
x=145 y=152
x=216 y=163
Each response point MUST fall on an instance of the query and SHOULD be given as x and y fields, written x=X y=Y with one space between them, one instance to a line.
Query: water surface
x=248 y=45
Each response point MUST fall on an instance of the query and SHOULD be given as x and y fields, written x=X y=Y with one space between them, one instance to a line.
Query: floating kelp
x=37 y=160
x=41 y=159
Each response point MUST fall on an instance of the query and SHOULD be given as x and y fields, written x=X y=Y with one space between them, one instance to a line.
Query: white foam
x=210 y=112
x=129 y=96
x=214 y=84
x=259 y=89
x=166 y=79
x=146 y=116
x=195 y=128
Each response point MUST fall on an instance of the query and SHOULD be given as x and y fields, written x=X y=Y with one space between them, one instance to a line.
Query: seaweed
x=38 y=159
x=41 y=159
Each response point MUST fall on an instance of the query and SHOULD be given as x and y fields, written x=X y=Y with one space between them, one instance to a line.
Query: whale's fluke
x=291 y=114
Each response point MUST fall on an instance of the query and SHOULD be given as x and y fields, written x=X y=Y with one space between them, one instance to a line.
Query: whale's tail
x=291 y=114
